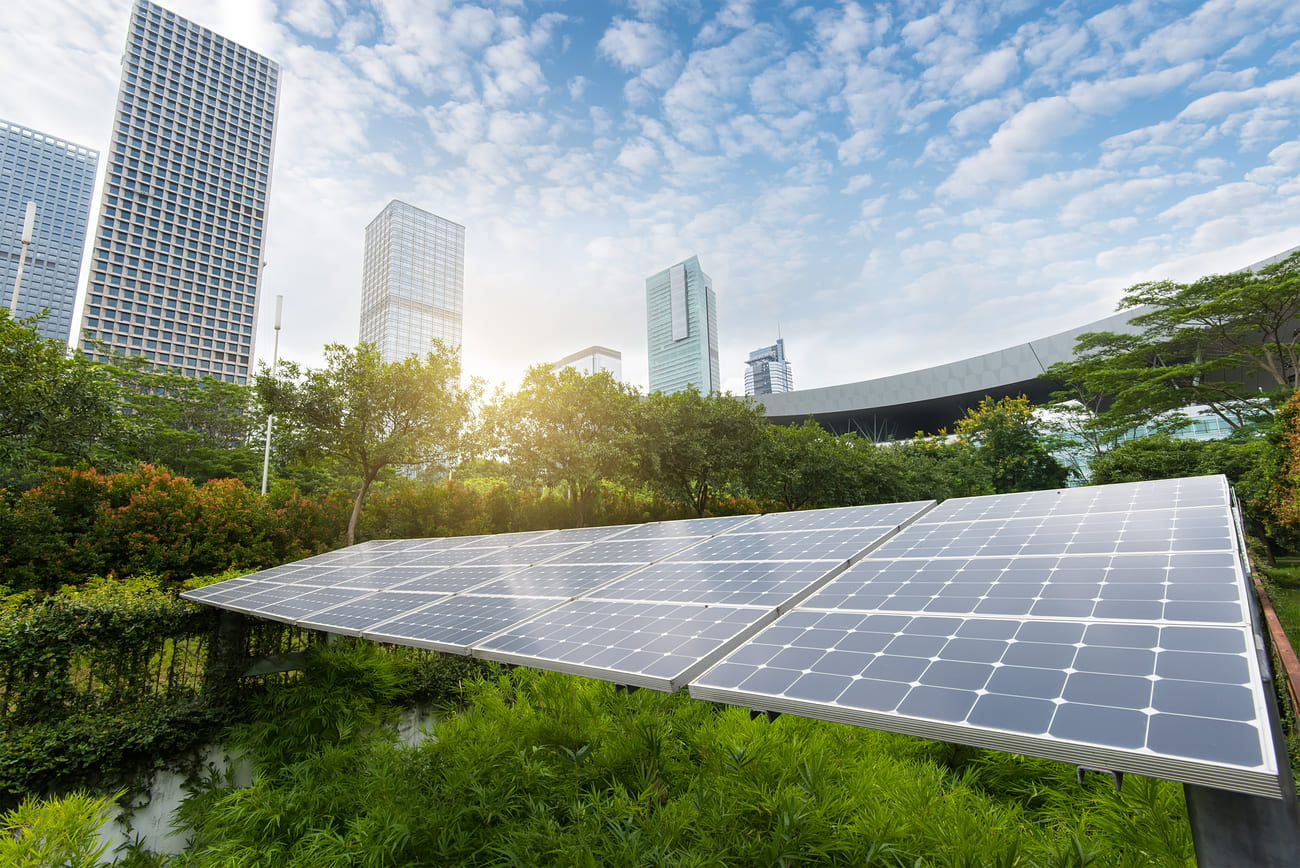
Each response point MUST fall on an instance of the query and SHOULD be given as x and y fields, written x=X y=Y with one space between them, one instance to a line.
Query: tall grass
x=547 y=769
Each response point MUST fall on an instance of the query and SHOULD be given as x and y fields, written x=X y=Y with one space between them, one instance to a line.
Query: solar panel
x=764 y=583
x=656 y=645
x=360 y=614
x=1118 y=639
x=820 y=545
x=1106 y=626
x=455 y=624
x=557 y=580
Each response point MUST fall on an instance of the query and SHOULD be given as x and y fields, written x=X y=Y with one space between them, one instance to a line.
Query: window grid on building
x=412 y=281
x=177 y=257
x=59 y=177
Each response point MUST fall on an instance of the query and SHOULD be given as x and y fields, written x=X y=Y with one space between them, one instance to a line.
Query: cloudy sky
x=889 y=185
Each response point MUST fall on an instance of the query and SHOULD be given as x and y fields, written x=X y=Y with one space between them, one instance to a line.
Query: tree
x=693 y=445
x=564 y=427
x=198 y=428
x=56 y=406
x=1221 y=341
x=1008 y=438
x=806 y=466
x=369 y=415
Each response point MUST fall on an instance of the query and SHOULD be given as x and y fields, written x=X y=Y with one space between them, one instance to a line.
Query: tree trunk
x=366 y=479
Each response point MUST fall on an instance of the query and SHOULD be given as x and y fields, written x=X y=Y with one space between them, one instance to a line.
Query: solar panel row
x=1108 y=626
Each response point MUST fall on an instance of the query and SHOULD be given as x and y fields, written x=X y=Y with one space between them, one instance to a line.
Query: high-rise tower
x=177 y=256
x=59 y=177
x=682 y=329
x=767 y=371
x=412 y=281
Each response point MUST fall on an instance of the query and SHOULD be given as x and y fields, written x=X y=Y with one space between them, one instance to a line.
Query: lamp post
x=29 y=222
x=275 y=363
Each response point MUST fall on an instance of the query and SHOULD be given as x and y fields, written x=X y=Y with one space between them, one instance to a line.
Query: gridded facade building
x=767 y=371
x=682 y=329
x=177 y=256
x=412 y=281
x=60 y=178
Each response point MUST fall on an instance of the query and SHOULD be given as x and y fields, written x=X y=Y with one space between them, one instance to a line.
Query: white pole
x=275 y=363
x=29 y=222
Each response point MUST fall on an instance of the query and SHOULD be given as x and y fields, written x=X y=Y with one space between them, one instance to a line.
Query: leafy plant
x=41 y=833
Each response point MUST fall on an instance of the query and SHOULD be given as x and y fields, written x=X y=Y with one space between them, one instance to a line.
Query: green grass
x=547 y=769
x=1283 y=586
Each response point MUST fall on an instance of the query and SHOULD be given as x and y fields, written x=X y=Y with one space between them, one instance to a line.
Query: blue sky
x=891 y=186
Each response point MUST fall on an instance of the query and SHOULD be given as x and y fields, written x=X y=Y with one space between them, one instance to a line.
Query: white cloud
x=1021 y=139
x=1227 y=198
x=633 y=45
x=857 y=184
x=992 y=71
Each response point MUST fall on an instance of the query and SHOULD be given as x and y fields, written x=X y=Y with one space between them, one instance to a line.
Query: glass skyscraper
x=682 y=329
x=177 y=256
x=412 y=281
x=60 y=178
x=767 y=371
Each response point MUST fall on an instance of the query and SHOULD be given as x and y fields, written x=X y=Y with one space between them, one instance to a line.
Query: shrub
x=41 y=833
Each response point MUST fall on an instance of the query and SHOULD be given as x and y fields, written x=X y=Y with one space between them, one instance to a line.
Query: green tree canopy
x=1010 y=440
x=198 y=428
x=564 y=427
x=56 y=406
x=369 y=415
x=694 y=446
x=1219 y=341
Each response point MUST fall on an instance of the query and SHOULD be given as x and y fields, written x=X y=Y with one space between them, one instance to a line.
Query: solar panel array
x=1106 y=626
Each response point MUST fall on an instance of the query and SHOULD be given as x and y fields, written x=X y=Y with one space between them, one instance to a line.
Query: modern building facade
x=59 y=177
x=682 y=329
x=767 y=371
x=178 y=252
x=593 y=360
x=898 y=406
x=412 y=281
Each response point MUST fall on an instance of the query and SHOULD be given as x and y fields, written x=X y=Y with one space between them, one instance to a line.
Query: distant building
x=593 y=360
x=177 y=257
x=682 y=329
x=60 y=178
x=412 y=281
x=767 y=371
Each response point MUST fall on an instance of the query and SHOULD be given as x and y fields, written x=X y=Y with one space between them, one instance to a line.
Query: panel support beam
x=1237 y=830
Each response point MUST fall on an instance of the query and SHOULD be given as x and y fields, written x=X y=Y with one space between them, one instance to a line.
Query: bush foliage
x=548 y=769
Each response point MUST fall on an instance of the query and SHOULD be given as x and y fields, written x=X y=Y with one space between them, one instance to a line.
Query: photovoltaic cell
x=360 y=614
x=556 y=580
x=771 y=584
x=656 y=645
x=457 y=623
x=819 y=545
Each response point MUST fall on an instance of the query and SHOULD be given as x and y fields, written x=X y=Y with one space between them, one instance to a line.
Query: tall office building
x=177 y=256
x=59 y=177
x=682 y=329
x=593 y=360
x=767 y=371
x=412 y=281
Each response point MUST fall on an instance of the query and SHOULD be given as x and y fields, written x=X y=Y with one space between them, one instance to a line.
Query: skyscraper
x=177 y=256
x=767 y=371
x=60 y=178
x=412 y=281
x=682 y=329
